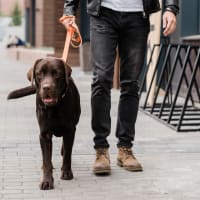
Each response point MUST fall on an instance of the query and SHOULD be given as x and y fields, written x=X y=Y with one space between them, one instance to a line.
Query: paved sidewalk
x=171 y=160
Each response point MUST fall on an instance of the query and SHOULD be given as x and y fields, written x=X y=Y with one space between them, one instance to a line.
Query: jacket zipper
x=144 y=13
x=99 y=6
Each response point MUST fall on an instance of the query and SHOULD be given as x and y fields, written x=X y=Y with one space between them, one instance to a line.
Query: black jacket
x=93 y=6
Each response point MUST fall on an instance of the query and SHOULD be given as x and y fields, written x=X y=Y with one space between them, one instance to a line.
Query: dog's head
x=51 y=77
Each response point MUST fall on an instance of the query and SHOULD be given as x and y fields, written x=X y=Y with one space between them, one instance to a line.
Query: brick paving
x=171 y=160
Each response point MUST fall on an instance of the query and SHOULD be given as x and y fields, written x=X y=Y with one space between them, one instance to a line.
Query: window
x=190 y=17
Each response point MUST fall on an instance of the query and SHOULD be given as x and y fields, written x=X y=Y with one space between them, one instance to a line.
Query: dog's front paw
x=67 y=175
x=47 y=184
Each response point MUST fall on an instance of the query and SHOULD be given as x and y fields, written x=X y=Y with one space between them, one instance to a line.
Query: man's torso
x=123 y=5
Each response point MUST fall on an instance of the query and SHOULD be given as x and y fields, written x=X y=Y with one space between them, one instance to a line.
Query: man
x=122 y=24
x=15 y=41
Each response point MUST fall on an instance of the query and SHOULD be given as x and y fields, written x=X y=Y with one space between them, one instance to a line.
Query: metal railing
x=176 y=97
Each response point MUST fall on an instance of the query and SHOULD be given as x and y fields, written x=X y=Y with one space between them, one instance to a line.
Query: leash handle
x=73 y=37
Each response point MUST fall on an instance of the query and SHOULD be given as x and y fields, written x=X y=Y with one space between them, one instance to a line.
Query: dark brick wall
x=48 y=31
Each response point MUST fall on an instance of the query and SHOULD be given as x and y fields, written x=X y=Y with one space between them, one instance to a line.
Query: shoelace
x=101 y=152
x=128 y=152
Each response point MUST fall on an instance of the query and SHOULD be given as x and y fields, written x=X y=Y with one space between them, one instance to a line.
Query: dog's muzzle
x=48 y=95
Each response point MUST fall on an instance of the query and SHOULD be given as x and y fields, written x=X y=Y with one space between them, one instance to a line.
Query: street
x=171 y=160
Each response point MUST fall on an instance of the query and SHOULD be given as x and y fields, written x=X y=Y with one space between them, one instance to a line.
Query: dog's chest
x=53 y=114
x=54 y=120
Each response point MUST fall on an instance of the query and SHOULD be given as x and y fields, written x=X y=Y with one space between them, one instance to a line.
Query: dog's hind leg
x=68 y=140
x=46 y=147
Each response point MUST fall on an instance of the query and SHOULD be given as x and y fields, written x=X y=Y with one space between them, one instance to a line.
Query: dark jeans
x=128 y=32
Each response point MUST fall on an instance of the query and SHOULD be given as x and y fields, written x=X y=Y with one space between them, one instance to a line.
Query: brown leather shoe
x=102 y=162
x=127 y=160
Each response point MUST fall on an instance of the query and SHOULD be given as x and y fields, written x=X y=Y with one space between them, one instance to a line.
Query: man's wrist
x=172 y=9
x=64 y=17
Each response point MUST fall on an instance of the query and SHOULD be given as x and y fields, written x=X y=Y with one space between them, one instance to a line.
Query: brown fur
x=58 y=112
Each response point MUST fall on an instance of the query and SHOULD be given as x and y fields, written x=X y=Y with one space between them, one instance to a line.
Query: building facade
x=7 y=8
x=43 y=28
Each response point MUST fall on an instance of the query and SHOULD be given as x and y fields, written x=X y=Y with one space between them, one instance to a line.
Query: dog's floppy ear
x=30 y=73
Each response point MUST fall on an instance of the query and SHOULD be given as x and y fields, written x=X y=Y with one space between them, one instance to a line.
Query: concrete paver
x=170 y=159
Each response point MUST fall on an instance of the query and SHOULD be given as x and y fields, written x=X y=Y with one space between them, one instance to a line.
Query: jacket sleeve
x=172 y=5
x=70 y=7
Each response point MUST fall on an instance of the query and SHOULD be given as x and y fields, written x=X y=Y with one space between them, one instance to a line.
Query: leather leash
x=73 y=37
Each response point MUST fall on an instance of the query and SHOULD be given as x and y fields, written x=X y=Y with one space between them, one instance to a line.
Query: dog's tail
x=22 y=92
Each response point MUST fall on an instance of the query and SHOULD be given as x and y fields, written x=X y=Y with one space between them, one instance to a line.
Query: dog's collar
x=65 y=92
x=63 y=95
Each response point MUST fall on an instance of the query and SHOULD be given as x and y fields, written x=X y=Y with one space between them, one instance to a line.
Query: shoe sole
x=133 y=169
x=102 y=171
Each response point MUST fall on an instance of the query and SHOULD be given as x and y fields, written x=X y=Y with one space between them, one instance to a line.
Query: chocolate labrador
x=58 y=111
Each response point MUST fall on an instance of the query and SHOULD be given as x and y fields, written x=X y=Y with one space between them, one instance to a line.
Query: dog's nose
x=46 y=87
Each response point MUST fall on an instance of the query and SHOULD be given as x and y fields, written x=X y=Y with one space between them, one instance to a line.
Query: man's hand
x=68 y=21
x=169 y=23
x=71 y=26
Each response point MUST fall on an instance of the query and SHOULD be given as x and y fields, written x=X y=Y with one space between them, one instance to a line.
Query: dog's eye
x=55 y=73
